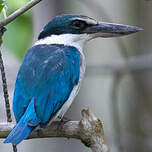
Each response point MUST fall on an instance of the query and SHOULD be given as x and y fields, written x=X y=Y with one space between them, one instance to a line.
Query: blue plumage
x=44 y=83
x=64 y=24
x=25 y=125
x=51 y=74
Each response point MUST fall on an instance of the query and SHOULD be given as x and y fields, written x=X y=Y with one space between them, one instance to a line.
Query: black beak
x=104 y=29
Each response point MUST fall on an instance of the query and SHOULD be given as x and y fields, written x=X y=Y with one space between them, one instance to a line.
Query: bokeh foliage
x=18 y=36
x=2 y=3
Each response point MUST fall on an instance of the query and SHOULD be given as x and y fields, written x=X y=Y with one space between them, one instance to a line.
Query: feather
x=23 y=128
x=44 y=83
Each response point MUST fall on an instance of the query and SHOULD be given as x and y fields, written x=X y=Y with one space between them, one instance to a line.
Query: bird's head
x=79 y=27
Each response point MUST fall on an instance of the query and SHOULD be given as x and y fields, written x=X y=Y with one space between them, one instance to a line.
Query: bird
x=52 y=71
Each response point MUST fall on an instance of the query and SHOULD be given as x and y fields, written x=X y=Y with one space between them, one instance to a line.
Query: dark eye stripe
x=78 y=24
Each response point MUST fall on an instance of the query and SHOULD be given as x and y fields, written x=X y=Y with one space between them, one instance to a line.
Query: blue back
x=48 y=74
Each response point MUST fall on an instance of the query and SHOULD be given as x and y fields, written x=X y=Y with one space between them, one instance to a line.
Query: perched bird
x=52 y=70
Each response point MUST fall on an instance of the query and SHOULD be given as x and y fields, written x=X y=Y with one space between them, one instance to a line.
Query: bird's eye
x=79 y=24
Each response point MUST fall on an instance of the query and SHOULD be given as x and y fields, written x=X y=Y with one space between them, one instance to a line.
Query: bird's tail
x=25 y=125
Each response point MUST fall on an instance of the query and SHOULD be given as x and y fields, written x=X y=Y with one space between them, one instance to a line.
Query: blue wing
x=48 y=74
x=44 y=83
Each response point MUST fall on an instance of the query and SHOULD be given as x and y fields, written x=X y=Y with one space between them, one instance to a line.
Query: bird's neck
x=75 y=40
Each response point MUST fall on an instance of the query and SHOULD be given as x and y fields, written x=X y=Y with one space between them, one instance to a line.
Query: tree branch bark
x=89 y=130
x=19 y=12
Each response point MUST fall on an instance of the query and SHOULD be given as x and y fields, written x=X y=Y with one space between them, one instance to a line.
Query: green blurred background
x=19 y=31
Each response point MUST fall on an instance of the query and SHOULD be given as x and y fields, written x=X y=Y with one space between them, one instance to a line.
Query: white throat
x=76 y=40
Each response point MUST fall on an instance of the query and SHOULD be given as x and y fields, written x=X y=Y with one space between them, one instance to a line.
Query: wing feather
x=48 y=73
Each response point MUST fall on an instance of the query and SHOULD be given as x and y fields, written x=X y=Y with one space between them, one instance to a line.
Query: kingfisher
x=52 y=71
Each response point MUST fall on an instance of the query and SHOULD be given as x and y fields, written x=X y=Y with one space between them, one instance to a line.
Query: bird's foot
x=39 y=132
x=42 y=125
x=64 y=119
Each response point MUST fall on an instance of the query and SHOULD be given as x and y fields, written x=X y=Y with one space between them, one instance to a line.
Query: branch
x=4 y=82
x=19 y=12
x=133 y=64
x=89 y=130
